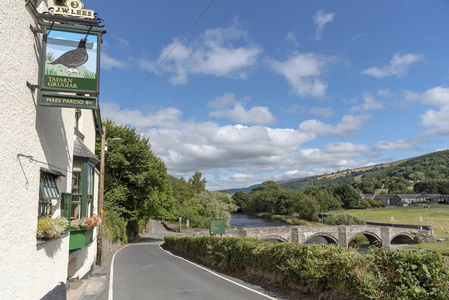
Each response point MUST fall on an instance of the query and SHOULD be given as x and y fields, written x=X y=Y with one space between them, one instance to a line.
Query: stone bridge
x=340 y=234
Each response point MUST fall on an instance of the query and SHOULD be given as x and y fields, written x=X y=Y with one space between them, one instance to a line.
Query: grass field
x=437 y=217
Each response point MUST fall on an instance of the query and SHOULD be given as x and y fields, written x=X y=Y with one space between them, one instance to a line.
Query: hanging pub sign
x=71 y=58
x=73 y=8
x=62 y=100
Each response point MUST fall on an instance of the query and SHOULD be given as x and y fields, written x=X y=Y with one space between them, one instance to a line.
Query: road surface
x=143 y=270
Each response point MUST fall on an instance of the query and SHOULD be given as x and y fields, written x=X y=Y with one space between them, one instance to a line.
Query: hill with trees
x=399 y=177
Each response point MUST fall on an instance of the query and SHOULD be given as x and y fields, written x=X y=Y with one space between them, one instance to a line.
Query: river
x=241 y=220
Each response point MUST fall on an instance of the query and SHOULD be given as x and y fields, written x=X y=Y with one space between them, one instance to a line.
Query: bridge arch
x=403 y=238
x=372 y=237
x=328 y=237
x=274 y=238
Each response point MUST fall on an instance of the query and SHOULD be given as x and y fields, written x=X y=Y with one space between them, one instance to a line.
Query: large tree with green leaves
x=136 y=182
x=347 y=194
x=199 y=206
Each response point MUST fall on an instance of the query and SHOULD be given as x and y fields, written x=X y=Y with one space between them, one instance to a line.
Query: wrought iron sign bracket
x=33 y=87
x=48 y=16
x=36 y=30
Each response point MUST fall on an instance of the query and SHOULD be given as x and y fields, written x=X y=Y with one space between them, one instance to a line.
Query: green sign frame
x=217 y=226
x=65 y=67
x=62 y=100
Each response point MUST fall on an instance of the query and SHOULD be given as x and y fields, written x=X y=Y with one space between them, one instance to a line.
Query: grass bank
x=437 y=216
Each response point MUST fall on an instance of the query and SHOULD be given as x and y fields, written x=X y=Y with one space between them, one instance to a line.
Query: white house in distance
x=48 y=167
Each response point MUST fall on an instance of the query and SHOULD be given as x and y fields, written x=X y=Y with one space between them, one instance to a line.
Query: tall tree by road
x=136 y=181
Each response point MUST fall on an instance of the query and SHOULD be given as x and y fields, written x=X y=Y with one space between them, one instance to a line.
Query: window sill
x=40 y=240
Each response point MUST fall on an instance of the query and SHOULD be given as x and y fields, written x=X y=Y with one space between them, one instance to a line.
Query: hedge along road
x=143 y=270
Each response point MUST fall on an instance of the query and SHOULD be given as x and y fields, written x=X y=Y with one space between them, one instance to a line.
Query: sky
x=274 y=90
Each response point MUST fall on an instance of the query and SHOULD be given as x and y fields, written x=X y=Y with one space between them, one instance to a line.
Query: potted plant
x=51 y=228
x=86 y=222
x=81 y=232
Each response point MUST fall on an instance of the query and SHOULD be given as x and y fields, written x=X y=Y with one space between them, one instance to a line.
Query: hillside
x=430 y=166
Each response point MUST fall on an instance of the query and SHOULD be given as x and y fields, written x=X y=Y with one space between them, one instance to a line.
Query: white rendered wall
x=28 y=271
x=85 y=258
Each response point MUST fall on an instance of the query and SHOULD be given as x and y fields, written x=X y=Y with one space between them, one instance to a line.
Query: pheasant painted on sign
x=74 y=58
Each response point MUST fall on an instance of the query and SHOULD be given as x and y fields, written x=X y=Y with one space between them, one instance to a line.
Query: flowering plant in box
x=51 y=227
x=75 y=223
x=86 y=222
x=92 y=221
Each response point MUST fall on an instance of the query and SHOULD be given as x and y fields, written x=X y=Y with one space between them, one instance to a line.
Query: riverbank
x=288 y=219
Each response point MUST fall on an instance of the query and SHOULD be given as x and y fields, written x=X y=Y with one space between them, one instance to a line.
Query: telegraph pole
x=100 y=197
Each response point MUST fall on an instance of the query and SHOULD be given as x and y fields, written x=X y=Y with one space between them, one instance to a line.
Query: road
x=143 y=270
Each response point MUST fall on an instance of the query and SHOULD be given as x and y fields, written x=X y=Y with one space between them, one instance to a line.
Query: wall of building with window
x=36 y=145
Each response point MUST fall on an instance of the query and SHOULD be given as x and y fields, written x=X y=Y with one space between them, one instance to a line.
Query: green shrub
x=384 y=274
x=344 y=219
x=115 y=227
x=319 y=268
x=376 y=204
x=412 y=274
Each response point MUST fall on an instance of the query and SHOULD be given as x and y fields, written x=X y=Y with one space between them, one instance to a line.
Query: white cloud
x=294 y=109
x=386 y=93
x=227 y=106
x=241 y=176
x=399 y=66
x=188 y=146
x=302 y=72
x=108 y=63
x=369 y=103
x=320 y=19
x=255 y=115
x=439 y=119
x=335 y=157
x=228 y=99
x=291 y=37
x=166 y=118
x=322 y=111
x=223 y=52
x=249 y=154
x=438 y=96
x=347 y=123
x=400 y=144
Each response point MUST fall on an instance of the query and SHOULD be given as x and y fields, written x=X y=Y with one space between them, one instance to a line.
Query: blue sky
x=273 y=90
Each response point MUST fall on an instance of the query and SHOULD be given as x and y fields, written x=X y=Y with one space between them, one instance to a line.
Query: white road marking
x=111 y=276
x=222 y=277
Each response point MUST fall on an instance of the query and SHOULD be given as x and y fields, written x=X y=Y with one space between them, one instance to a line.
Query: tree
x=216 y=205
x=182 y=190
x=198 y=185
x=240 y=198
x=136 y=181
x=346 y=193
x=325 y=199
x=306 y=206
x=367 y=187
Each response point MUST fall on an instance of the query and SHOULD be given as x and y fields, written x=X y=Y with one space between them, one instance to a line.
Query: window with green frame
x=81 y=203
x=48 y=191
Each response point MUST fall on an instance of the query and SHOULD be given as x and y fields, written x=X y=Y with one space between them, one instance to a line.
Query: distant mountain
x=245 y=190
x=430 y=166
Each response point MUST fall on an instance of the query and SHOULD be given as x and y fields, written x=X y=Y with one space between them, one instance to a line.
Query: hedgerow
x=326 y=269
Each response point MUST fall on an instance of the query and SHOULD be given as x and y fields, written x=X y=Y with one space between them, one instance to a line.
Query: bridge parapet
x=338 y=234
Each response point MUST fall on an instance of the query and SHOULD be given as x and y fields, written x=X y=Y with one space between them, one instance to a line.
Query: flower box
x=80 y=237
